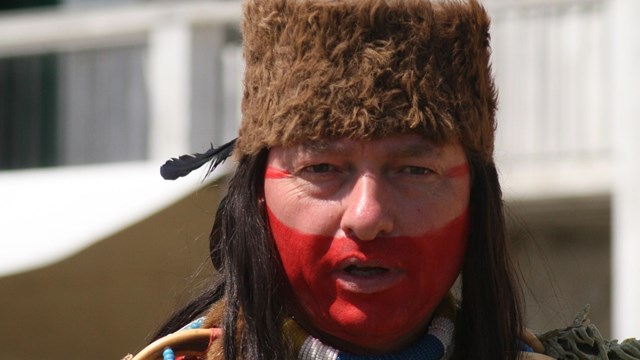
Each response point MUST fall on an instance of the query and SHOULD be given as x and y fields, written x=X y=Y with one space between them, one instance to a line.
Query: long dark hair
x=489 y=323
x=250 y=279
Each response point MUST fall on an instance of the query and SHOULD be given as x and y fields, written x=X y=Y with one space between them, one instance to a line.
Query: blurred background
x=96 y=249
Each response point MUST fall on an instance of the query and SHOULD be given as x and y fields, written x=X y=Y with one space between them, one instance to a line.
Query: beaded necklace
x=432 y=346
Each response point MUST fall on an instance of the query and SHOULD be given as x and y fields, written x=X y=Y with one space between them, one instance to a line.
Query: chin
x=375 y=331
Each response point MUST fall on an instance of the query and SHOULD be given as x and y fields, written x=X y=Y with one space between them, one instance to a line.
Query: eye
x=417 y=170
x=319 y=168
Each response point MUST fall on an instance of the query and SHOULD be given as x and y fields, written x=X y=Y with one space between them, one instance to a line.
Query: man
x=365 y=187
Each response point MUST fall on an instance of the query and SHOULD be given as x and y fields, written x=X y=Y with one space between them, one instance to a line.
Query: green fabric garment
x=583 y=341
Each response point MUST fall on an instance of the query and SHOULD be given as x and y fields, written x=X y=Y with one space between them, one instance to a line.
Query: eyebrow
x=414 y=150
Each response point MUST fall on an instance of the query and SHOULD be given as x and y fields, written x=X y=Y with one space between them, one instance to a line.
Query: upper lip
x=363 y=263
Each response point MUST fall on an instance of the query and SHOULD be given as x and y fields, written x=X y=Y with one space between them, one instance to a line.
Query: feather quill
x=183 y=165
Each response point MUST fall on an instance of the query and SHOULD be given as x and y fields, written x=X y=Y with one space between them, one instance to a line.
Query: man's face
x=371 y=234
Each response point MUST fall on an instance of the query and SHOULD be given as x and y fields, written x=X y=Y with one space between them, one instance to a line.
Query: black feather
x=182 y=166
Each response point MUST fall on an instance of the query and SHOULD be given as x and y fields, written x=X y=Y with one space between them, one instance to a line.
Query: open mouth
x=367 y=279
x=365 y=270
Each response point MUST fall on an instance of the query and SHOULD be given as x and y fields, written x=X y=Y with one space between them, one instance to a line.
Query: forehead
x=399 y=145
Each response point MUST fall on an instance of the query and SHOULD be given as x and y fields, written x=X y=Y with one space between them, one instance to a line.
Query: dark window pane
x=24 y=4
x=28 y=111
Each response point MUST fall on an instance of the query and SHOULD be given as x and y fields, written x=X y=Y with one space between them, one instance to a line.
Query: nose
x=365 y=215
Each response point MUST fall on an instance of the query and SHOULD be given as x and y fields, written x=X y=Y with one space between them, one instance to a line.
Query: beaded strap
x=168 y=353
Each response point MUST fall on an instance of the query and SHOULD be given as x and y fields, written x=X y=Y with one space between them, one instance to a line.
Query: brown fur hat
x=365 y=69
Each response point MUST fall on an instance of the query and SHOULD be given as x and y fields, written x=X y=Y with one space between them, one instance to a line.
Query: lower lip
x=367 y=284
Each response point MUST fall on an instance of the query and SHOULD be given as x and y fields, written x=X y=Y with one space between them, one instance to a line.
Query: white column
x=625 y=119
x=169 y=89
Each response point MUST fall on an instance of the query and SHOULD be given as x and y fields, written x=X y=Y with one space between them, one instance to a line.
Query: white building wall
x=553 y=75
x=625 y=120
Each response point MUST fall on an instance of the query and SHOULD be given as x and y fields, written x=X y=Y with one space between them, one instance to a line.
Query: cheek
x=299 y=251
x=303 y=258
x=283 y=197
x=289 y=203
x=437 y=258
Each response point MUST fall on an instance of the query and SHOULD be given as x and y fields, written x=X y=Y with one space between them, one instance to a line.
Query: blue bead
x=168 y=354
x=196 y=324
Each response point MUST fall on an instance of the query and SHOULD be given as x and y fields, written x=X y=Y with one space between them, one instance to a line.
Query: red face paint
x=457 y=171
x=275 y=173
x=372 y=292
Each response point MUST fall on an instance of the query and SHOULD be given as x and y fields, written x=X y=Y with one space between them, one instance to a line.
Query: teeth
x=365 y=270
